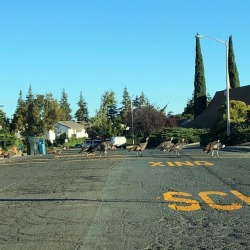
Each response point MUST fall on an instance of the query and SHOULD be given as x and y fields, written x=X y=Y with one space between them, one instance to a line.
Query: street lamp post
x=132 y=121
x=227 y=80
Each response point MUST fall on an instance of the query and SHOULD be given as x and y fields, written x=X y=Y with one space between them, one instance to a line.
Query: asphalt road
x=157 y=201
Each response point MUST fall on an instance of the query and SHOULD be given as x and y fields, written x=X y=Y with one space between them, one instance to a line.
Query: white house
x=70 y=128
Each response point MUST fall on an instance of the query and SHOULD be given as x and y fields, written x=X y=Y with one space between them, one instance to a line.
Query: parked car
x=89 y=142
x=119 y=141
x=95 y=142
x=86 y=143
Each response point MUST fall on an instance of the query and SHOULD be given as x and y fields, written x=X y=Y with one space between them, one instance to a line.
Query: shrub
x=189 y=134
x=239 y=124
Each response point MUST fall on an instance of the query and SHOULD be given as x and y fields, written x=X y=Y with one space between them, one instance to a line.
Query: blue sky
x=103 y=45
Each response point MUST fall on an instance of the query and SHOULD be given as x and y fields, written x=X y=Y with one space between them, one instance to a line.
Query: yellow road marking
x=241 y=196
x=156 y=164
x=180 y=163
x=186 y=163
x=192 y=205
x=211 y=203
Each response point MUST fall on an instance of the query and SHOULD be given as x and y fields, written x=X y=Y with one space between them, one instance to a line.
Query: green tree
x=200 y=98
x=3 y=122
x=65 y=110
x=6 y=139
x=33 y=116
x=126 y=108
x=232 y=67
x=102 y=124
x=148 y=120
x=107 y=99
x=19 y=117
x=189 y=109
x=238 y=115
x=51 y=112
x=82 y=114
x=141 y=101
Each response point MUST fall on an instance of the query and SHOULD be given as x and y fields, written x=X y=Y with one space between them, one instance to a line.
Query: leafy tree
x=82 y=113
x=65 y=110
x=106 y=122
x=33 y=116
x=148 y=120
x=238 y=115
x=189 y=109
x=200 y=98
x=232 y=67
x=3 y=122
x=51 y=112
x=238 y=111
x=6 y=138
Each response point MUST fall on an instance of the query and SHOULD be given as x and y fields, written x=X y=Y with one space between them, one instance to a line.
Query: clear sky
x=95 y=46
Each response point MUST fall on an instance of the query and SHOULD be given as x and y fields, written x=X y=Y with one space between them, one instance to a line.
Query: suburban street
x=158 y=201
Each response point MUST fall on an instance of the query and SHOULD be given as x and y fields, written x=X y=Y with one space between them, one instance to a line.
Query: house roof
x=211 y=113
x=71 y=124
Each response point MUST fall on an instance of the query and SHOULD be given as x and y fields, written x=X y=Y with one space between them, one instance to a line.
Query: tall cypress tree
x=232 y=68
x=200 y=98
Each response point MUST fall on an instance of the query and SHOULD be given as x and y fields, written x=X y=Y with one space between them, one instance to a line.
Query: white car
x=119 y=141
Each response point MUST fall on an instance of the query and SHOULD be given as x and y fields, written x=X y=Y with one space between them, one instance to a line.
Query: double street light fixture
x=227 y=80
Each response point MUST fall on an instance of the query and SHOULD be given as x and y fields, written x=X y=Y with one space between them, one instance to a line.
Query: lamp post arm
x=220 y=41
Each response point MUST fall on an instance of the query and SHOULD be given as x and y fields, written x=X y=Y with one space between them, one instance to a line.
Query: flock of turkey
x=103 y=147
x=166 y=146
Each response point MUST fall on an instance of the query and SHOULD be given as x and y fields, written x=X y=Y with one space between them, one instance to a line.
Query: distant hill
x=211 y=113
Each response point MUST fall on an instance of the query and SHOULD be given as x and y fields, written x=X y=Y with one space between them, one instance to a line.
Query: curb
x=237 y=148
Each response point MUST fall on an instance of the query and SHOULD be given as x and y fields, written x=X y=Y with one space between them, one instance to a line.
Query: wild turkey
x=177 y=147
x=88 y=149
x=139 y=147
x=55 y=151
x=7 y=154
x=214 y=146
x=166 y=145
x=101 y=147
x=58 y=152
x=84 y=149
